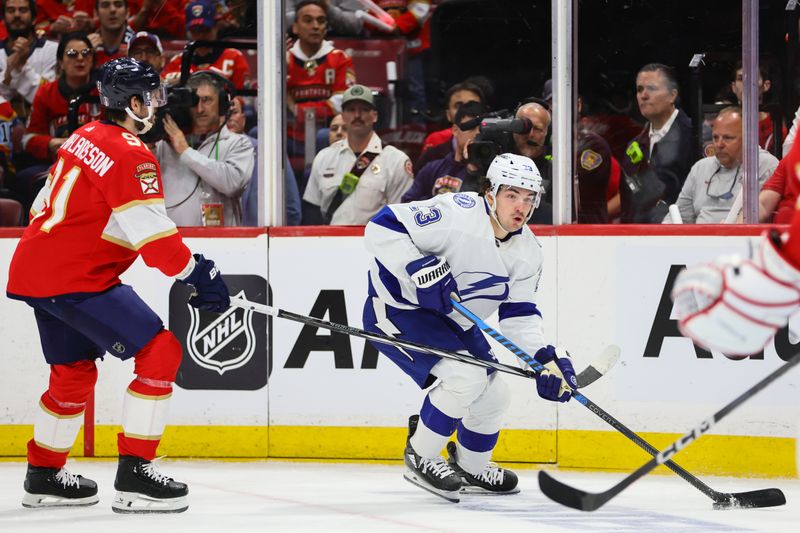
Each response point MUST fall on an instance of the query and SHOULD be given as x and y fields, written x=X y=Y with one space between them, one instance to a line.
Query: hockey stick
x=602 y=363
x=588 y=501
x=758 y=498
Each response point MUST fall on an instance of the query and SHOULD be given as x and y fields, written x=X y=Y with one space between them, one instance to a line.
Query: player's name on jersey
x=90 y=154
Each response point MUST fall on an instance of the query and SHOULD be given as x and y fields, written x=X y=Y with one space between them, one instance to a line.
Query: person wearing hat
x=201 y=25
x=146 y=47
x=352 y=179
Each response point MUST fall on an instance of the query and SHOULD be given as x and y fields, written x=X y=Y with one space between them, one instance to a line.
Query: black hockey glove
x=210 y=291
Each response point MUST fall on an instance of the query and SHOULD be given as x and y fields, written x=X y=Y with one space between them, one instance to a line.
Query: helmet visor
x=157 y=97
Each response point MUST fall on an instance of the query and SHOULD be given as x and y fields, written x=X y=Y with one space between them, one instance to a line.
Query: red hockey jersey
x=317 y=82
x=229 y=62
x=102 y=207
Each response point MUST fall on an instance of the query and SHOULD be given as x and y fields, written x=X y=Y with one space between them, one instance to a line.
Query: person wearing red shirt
x=201 y=25
x=101 y=209
x=317 y=73
x=47 y=126
x=164 y=17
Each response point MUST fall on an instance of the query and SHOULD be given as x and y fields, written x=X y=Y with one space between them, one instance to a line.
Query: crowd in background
x=353 y=143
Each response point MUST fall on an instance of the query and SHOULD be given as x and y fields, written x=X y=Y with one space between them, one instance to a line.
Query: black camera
x=495 y=137
x=179 y=101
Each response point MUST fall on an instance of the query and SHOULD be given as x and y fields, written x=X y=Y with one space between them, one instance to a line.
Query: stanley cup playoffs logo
x=226 y=351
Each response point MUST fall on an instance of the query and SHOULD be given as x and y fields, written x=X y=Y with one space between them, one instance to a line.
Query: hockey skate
x=493 y=480
x=433 y=475
x=142 y=488
x=56 y=487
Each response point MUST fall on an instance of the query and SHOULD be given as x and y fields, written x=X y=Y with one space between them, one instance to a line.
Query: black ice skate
x=142 y=488
x=54 y=487
x=493 y=480
x=433 y=475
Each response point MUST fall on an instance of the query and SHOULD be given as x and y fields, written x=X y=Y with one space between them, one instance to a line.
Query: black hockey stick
x=588 y=501
x=757 y=498
x=602 y=363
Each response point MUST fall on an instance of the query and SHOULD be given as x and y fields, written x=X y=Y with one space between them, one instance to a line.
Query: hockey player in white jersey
x=480 y=249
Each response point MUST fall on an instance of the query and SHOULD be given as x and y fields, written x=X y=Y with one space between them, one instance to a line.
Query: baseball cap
x=200 y=13
x=144 y=36
x=358 y=92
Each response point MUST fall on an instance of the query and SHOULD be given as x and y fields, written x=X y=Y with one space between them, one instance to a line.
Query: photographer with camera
x=205 y=174
x=524 y=134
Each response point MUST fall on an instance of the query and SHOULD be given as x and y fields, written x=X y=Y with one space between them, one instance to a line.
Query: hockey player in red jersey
x=102 y=207
x=736 y=305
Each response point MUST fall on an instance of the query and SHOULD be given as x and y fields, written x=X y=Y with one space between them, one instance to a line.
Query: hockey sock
x=144 y=415
x=474 y=449
x=433 y=431
x=54 y=431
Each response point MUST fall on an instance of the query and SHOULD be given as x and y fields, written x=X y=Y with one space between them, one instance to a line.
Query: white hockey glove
x=736 y=305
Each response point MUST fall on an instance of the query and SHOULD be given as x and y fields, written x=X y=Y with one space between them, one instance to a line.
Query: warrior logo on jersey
x=226 y=351
x=210 y=334
x=148 y=178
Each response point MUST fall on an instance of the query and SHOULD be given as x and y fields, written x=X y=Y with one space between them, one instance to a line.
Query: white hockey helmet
x=515 y=171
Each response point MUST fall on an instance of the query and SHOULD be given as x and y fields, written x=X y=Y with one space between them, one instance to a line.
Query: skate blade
x=451 y=496
x=135 y=503
x=480 y=491
x=42 y=501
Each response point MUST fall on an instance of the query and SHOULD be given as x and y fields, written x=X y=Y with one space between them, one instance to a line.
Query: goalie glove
x=434 y=283
x=736 y=305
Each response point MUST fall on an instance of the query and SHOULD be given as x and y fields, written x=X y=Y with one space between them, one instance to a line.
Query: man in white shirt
x=352 y=179
x=713 y=182
x=26 y=61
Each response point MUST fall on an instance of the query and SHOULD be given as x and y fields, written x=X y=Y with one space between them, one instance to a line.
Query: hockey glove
x=211 y=293
x=555 y=386
x=736 y=305
x=434 y=283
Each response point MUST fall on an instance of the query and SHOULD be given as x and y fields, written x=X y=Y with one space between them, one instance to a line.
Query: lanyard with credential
x=349 y=182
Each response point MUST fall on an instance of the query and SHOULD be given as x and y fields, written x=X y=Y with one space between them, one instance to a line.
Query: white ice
x=277 y=496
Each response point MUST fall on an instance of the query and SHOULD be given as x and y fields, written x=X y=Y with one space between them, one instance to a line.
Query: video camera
x=179 y=101
x=495 y=137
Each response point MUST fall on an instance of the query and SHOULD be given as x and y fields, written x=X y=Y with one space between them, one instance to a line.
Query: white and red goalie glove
x=735 y=305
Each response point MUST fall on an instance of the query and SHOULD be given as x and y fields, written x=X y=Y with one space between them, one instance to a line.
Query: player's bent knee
x=72 y=382
x=160 y=358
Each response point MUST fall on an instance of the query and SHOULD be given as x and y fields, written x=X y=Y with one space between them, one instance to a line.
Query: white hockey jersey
x=492 y=275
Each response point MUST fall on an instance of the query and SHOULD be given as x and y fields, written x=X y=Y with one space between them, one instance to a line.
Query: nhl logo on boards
x=225 y=351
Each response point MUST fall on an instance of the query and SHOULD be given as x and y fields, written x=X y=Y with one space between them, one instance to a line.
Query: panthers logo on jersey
x=148 y=178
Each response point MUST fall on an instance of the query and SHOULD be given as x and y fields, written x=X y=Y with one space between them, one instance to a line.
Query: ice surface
x=278 y=496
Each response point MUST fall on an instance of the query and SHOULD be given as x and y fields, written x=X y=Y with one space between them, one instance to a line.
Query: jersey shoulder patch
x=590 y=159
x=464 y=200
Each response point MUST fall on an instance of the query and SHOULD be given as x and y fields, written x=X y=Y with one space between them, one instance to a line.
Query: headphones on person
x=226 y=90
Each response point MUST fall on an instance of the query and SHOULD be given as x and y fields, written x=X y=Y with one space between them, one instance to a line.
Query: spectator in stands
x=532 y=144
x=165 y=17
x=659 y=158
x=317 y=73
x=249 y=200
x=111 y=39
x=26 y=61
x=337 y=130
x=205 y=174
x=48 y=124
x=201 y=25
x=713 y=182
x=146 y=47
x=342 y=18
x=765 y=126
x=354 y=178
x=439 y=143
x=452 y=173
x=57 y=17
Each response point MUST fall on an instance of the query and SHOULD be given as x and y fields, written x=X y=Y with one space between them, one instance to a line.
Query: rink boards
x=332 y=397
